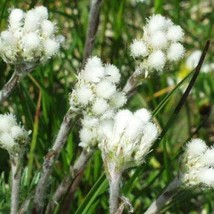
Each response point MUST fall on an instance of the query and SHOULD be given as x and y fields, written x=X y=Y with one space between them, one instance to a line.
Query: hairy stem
x=50 y=159
x=16 y=167
x=133 y=82
x=65 y=185
x=114 y=184
x=19 y=73
x=92 y=27
x=166 y=196
x=10 y=85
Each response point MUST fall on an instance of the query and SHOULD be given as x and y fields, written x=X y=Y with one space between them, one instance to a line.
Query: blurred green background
x=41 y=100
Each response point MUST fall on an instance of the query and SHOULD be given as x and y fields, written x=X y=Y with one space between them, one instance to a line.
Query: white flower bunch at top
x=198 y=164
x=128 y=140
x=30 y=37
x=12 y=135
x=95 y=93
x=160 y=43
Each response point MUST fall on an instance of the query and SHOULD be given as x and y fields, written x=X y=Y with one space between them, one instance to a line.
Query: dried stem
x=92 y=27
x=16 y=167
x=49 y=160
x=65 y=185
x=166 y=196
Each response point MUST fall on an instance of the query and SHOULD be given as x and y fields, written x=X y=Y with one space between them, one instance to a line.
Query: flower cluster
x=198 y=164
x=129 y=139
x=30 y=37
x=96 y=96
x=160 y=43
x=12 y=135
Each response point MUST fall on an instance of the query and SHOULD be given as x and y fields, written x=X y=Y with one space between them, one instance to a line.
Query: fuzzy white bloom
x=196 y=147
x=159 y=44
x=175 y=52
x=129 y=140
x=12 y=135
x=156 y=60
x=97 y=98
x=197 y=164
x=175 y=34
x=30 y=37
x=105 y=89
x=96 y=81
x=138 y=48
x=206 y=176
x=112 y=73
x=16 y=19
x=100 y=106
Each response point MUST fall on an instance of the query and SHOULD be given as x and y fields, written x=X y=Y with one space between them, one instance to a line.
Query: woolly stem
x=16 y=178
x=167 y=195
x=92 y=27
x=114 y=185
x=50 y=159
x=19 y=73
x=133 y=82
x=63 y=188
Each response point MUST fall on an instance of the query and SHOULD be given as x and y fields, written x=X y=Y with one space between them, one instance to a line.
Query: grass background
x=41 y=101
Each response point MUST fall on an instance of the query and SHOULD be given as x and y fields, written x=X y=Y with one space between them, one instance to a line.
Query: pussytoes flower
x=30 y=37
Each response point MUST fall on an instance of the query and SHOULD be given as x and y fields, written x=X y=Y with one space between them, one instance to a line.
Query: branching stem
x=49 y=160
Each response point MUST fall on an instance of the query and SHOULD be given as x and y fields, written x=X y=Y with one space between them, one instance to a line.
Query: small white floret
x=175 y=33
x=99 y=106
x=86 y=135
x=32 y=21
x=158 y=40
x=143 y=114
x=7 y=141
x=16 y=19
x=94 y=71
x=105 y=89
x=156 y=23
x=31 y=41
x=47 y=28
x=206 y=176
x=208 y=157
x=175 y=52
x=51 y=47
x=138 y=48
x=112 y=73
x=156 y=60
x=122 y=120
x=196 y=147
x=17 y=132
x=42 y=12
x=84 y=95
x=118 y=100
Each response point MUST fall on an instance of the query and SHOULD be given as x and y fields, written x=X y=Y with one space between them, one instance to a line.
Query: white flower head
x=129 y=140
x=96 y=90
x=12 y=135
x=138 y=48
x=197 y=164
x=159 y=44
x=30 y=37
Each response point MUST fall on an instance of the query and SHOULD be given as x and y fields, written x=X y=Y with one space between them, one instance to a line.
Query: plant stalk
x=114 y=185
x=93 y=23
x=49 y=160
x=16 y=167
x=65 y=185
x=166 y=196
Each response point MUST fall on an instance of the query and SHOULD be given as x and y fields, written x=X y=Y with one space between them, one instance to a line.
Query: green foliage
x=41 y=101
